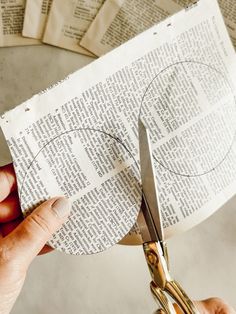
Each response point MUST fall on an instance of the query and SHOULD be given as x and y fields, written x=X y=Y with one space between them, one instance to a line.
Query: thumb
x=27 y=240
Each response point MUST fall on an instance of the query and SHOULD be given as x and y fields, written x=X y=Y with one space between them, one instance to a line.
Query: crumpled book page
x=68 y=21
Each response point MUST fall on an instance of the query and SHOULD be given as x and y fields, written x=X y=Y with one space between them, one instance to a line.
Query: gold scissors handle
x=162 y=282
x=181 y=298
x=167 y=306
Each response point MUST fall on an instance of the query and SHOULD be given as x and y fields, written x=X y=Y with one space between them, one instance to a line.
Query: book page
x=36 y=14
x=228 y=9
x=120 y=20
x=68 y=21
x=11 y=24
x=79 y=137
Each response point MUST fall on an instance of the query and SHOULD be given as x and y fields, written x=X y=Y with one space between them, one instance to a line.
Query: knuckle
x=221 y=307
x=38 y=221
x=218 y=301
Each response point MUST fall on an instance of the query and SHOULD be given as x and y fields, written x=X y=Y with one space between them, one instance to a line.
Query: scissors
x=155 y=249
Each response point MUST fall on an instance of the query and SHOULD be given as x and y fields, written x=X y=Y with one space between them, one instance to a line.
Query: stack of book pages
x=90 y=27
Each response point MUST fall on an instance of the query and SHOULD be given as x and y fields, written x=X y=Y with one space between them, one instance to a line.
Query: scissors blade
x=150 y=206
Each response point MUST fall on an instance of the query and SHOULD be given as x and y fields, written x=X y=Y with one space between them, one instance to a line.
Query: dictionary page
x=11 y=24
x=36 y=14
x=68 y=21
x=79 y=137
x=228 y=9
x=120 y=20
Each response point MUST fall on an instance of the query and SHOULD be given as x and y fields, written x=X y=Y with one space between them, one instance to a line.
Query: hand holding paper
x=20 y=241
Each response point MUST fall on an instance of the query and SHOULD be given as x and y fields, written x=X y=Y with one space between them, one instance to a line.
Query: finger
x=8 y=227
x=210 y=306
x=7 y=181
x=10 y=208
x=27 y=240
x=213 y=306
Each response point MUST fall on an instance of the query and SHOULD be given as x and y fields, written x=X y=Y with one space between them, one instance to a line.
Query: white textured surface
x=116 y=281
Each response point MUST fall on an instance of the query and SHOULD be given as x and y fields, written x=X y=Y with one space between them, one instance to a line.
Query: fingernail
x=62 y=207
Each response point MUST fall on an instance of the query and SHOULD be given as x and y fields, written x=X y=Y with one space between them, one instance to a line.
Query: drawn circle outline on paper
x=91 y=227
x=171 y=96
